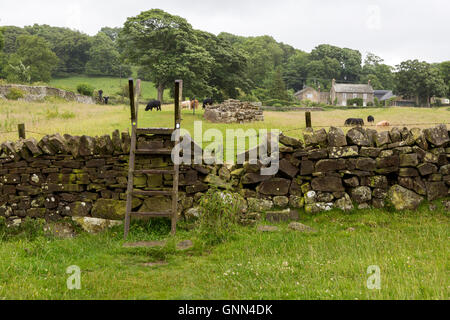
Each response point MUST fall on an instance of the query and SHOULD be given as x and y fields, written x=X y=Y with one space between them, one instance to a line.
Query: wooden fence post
x=178 y=92
x=21 y=129
x=308 y=119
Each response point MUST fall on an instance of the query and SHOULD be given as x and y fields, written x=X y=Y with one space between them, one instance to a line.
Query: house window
x=344 y=95
x=355 y=95
x=309 y=96
x=365 y=96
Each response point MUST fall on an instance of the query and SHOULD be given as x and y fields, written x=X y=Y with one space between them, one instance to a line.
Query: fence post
x=178 y=92
x=21 y=129
x=308 y=119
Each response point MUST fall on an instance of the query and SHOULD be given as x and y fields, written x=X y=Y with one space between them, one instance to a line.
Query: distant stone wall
x=38 y=93
x=234 y=111
x=86 y=176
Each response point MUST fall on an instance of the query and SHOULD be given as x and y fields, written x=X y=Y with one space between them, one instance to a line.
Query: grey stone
x=404 y=199
x=297 y=226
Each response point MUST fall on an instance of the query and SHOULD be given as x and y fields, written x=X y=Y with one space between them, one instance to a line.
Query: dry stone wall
x=234 y=111
x=75 y=176
x=38 y=93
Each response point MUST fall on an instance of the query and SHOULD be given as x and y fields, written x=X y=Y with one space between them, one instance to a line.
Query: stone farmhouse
x=339 y=95
x=342 y=92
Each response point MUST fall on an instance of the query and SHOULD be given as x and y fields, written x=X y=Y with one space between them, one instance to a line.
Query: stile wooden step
x=154 y=151
x=159 y=131
x=153 y=193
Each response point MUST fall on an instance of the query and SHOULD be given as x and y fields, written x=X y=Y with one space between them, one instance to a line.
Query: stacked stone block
x=234 y=111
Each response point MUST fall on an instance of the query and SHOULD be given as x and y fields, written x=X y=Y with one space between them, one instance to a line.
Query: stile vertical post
x=21 y=129
x=132 y=155
x=178 y=92
x=177 y=96
x=308 y=119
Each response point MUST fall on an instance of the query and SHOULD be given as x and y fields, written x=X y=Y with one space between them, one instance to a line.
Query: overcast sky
x=394 y=30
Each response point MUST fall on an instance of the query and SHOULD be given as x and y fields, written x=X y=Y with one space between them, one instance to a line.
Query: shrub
x=377 y=102
x=219 y=214
x=277 y=103
x=15 y=94
x=370 y=104
x=358 y=101
x=85 y=89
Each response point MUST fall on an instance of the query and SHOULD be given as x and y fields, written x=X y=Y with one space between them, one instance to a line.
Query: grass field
x=110 y=86
x=79 y=119
x=411 y=250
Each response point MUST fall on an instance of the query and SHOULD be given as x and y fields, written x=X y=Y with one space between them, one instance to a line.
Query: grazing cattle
x=105 y=100
x=354 y=122
x=154 y=104
x=194 y=104
x=383 y=124
x=370 y=119
x=186 y=105
x=207 y=102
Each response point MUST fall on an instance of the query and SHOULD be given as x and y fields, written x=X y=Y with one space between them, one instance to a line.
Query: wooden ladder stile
x=135 y=132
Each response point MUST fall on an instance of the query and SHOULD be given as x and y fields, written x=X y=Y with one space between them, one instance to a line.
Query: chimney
x=369 y=82
x=333 y=82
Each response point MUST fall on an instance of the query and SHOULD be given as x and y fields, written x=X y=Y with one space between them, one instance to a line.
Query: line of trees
x=166 y=47
x=41 y=52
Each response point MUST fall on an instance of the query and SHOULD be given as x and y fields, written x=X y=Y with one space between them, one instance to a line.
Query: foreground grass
x=410 y=248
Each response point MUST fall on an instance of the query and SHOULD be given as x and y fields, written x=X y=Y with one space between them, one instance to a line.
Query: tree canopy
x=104 y=59
x=165 y=47
x=168 y=48
x=420 y=80
x=33 y=53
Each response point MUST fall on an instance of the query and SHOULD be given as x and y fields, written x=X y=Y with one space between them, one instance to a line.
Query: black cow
x=354 y=122
x=154 y=104
x=207 y=102
x=370 y=119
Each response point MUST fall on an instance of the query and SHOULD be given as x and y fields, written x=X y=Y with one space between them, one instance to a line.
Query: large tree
x=34 y=53
x=295 y=70
x=322 y=71
x=105 y=59
x=72 y=47
x=264 y=54
x=445 y=71
x=420 y=80
x=380 y=75
x=168 y=48
x=349 y=60
x=2 y=40
x=230 y=63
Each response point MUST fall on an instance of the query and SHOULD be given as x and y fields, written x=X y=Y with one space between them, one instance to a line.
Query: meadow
x=79 y=119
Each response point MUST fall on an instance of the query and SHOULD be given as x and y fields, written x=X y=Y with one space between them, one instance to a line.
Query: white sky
x=394 y=30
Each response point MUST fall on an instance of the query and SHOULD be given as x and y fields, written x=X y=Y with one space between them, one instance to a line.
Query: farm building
x=313 y=95
x=342 y=92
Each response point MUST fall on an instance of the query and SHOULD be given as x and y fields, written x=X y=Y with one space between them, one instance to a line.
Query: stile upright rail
x=135 y=132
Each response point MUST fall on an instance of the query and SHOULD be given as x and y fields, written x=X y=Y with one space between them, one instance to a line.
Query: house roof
x=353 y=88
x=383 y=95
x=303 y=90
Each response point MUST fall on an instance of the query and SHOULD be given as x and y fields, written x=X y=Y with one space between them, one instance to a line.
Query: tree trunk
x=161 y=93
